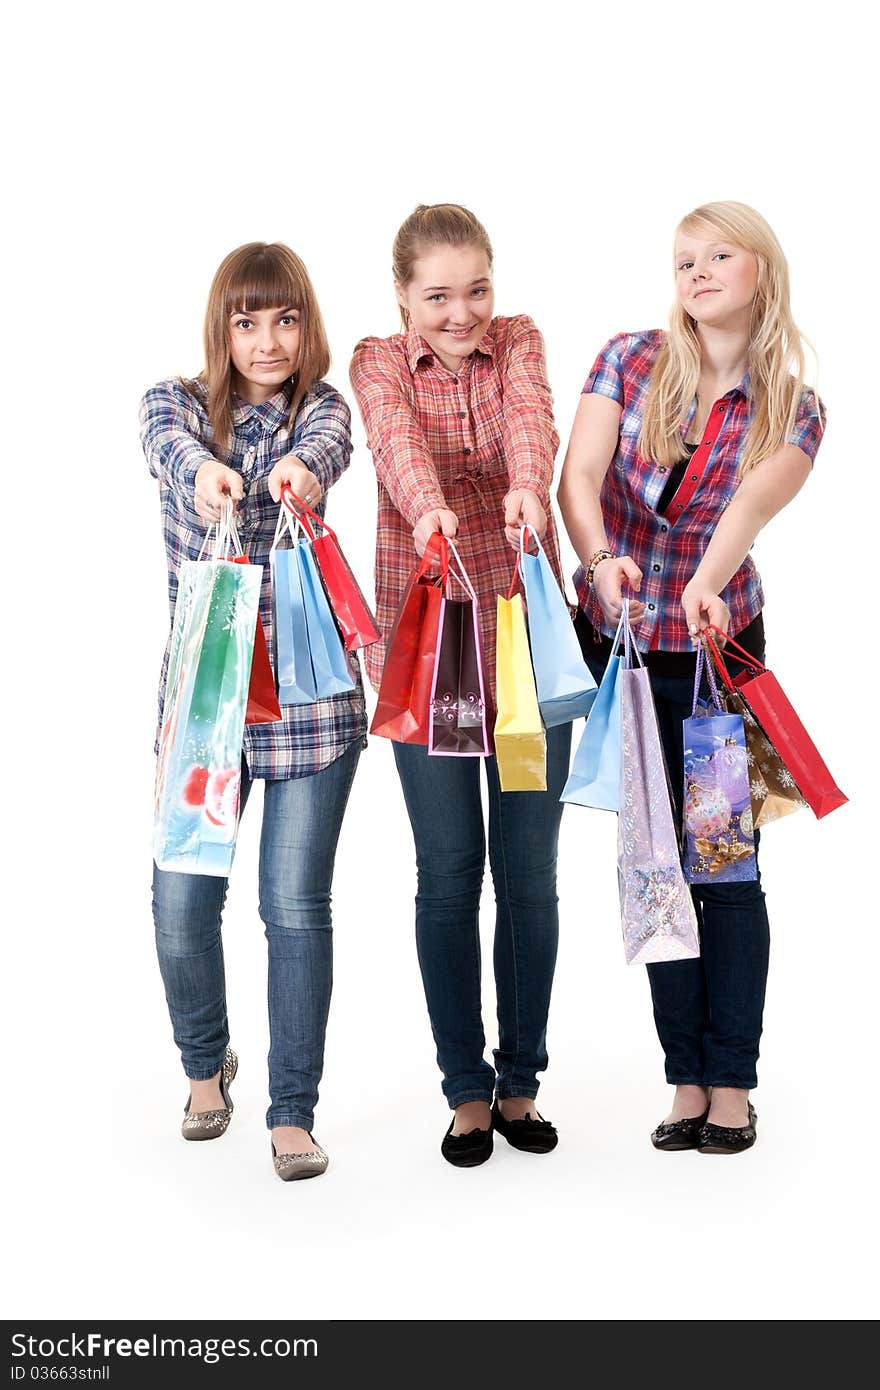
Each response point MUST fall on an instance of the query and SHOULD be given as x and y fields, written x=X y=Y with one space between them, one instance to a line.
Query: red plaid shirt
x=669 y=548
x=459 y=441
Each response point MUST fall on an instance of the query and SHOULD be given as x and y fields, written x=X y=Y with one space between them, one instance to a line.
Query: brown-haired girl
x=458 y=416
x=258 y=417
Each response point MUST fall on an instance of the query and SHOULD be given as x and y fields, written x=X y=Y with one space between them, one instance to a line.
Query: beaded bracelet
x=596 y=559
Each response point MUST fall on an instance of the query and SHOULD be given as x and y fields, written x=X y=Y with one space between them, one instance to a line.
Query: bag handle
x=226 y=535
x=289 y=498
x=745 y=658
x=704 y=664
x=462 y=576
x=436 y=552
x=287 y=516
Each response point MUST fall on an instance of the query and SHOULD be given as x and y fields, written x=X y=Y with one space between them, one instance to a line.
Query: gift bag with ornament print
x=719 y=833
x=772 y=788
x=657 y=913
x=776 y=716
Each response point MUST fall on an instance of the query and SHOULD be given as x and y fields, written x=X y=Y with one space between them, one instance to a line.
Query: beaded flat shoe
x=210 y=1124
x=291 y=1167
x=467 y=1150
x=528 y=1135
x=728 y=1139
x=679 y=1134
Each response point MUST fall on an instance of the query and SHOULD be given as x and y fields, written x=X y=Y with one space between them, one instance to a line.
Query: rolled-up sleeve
x=168 y=426
x=809 y=424
x=323 y=438
x=606 y=373
x=400 y=451
x=528 y=431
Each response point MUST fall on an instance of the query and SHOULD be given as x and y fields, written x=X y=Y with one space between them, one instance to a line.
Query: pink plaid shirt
x=459 y=441
x=669 y=548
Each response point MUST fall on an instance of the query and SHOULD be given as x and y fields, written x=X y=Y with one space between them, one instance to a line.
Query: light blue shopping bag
x=594 y=779
x=565 y=685
x=310 y=663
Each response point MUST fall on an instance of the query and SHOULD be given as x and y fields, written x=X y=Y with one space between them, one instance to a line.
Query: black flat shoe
x=724 y=1139
x=467 y=1150
x=531 y=1136
x=679 y=1134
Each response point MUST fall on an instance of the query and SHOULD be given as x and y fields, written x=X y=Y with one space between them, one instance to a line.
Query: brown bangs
x=263 y=280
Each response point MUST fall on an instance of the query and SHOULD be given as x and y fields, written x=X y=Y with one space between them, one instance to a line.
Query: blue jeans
x=708 y=1012
x=446 y=813
x=301 y=823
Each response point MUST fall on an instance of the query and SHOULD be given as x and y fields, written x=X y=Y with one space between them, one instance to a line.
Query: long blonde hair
x=775 y=357
x=434 y=224
x=259 y=275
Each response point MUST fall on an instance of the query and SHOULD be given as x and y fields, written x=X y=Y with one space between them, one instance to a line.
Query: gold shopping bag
x=520 y=742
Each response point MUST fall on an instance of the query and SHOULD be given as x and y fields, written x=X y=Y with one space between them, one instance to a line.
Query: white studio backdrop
x=142 y=147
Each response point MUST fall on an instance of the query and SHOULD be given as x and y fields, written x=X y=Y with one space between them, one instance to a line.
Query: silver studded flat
x=291 y=1167
x=210 y=1124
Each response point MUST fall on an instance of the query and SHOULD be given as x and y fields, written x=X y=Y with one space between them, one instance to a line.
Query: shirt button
x=708 y=443
x=661 y=468
x=694 y=477
x=664 y=528
x=468 y=451
x=651 y=607
x=721 y=410
x=657 y=569
x=462 y=415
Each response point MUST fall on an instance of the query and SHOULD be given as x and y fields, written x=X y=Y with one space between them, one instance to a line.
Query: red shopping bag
x=262 y=705
x=350 y=609
x=769 y=704
x=403 y=712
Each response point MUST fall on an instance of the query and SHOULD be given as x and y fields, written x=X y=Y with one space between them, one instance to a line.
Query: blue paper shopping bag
x=329 y=662
x=594 y=779
x=309 y=661
x=566 y=688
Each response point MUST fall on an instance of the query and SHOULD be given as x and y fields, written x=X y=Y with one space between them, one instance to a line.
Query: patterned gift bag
x=719 y=834
x=657 y=913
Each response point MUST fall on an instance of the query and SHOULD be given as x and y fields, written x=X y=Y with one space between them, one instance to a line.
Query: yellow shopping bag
x=520 y=742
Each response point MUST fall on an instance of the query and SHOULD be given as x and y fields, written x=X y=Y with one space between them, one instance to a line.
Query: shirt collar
x=272 y=413
x=417 y=349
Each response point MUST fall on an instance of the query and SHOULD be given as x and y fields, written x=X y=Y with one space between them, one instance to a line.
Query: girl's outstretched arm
x=762 y=493
x=321 y=451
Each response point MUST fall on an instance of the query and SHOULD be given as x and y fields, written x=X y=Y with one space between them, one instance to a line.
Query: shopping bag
x=657 y=913
x=458 y=726
x=403 y=708
x=771 y=786
x=566 y=688
x=719 y=833
x=310 y=661
x=356 y=621
x=594 y=779
x=262 y=704
x=198 y=773
x=520 y=741
x=768 y=703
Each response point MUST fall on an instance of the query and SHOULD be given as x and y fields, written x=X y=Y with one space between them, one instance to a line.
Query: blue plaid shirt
x=177 y=440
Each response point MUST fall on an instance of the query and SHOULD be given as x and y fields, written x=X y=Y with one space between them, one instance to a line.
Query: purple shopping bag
x=458 y=726
x=656 y=908
x=720 y=836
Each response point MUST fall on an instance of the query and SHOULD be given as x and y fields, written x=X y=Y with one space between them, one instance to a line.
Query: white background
x=143 y=148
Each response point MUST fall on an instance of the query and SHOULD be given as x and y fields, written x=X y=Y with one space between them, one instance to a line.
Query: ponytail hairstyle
x=259 y=275
x=436 y=224
x=775 y=354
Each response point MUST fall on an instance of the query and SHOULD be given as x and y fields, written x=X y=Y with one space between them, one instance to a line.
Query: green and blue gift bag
x=198 y=775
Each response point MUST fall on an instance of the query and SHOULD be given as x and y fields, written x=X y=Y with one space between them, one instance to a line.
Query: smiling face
x=264 y=346
x=716 y=280
x=450 y=300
